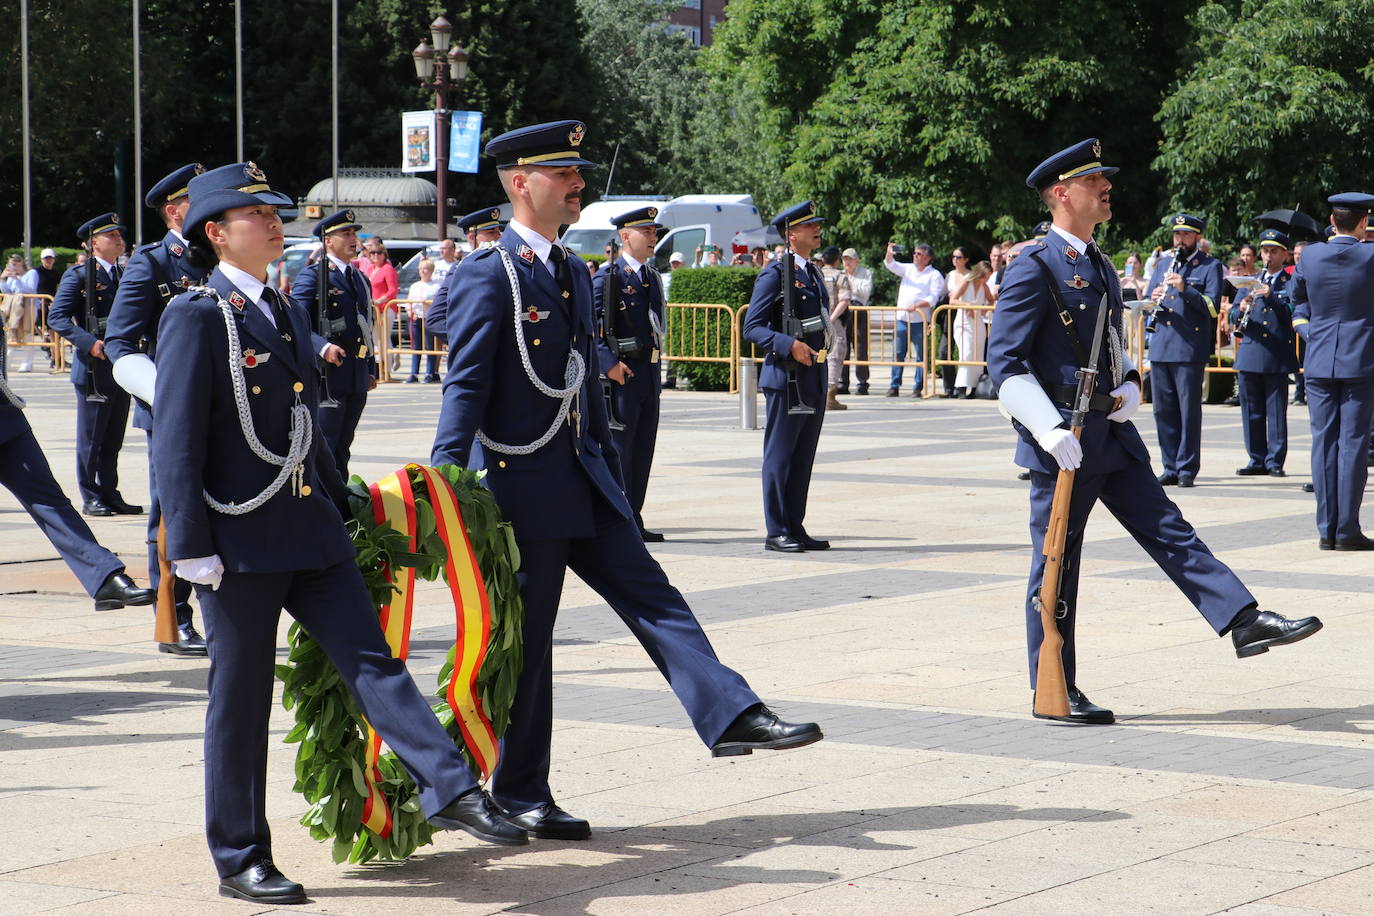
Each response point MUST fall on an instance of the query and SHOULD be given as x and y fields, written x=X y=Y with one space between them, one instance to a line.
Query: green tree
x=1274 y=111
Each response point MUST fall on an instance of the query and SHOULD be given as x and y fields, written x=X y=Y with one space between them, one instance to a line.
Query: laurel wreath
x=329 y=727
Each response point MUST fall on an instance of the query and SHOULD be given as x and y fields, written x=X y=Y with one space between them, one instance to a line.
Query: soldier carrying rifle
x=1047 y=317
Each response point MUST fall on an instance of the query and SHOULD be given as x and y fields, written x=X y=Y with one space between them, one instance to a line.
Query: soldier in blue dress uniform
x=24 y=471
x=1042 y=327
x=629 y=301
x=102 y=407
x=346 y=345
x=790 y=438
x=254 y=511
x=1186 y=289
x=1332 y=292
x=1263 y=321
x=522 y=400
x=155 y=274
x=482 y=227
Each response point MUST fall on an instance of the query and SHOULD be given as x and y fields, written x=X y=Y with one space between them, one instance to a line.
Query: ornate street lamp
x=441 y=68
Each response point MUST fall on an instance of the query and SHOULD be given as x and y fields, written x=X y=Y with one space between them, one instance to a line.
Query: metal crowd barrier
x=702 y=332
x=28 y=327
x=395 y=341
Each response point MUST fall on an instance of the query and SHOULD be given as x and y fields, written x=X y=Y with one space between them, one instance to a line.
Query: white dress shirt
x=541 y=245
x=918 y=285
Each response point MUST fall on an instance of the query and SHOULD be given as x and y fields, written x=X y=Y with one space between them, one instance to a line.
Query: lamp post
x=447 y=76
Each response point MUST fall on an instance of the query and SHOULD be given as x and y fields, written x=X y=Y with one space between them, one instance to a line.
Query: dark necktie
x=279 y=313
x=1104 y=270
x=644 y=276
x=559 y=257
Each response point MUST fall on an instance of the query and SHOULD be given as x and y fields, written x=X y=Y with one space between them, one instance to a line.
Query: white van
x=692 y=221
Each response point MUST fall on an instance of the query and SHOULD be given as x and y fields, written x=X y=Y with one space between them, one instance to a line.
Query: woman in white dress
x=970 y=328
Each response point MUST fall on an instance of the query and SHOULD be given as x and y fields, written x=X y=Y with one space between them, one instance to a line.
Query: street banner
x=417 y=141
x=465 y=135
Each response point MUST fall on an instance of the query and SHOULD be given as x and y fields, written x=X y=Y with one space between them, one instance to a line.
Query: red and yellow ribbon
x=393 y=503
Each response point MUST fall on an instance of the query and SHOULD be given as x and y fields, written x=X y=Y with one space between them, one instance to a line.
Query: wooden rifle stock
x=165 y=624
x=1051 y=686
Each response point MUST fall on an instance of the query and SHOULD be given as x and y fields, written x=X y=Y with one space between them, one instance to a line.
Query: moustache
x=576 y=197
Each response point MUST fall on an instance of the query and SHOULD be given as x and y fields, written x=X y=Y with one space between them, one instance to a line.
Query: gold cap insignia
x=348 y=215
x=653 y=213
x=496 y=214
x=114 y=219
x=251 y=170
x=576 y=134
x=1180 y=220
x=1097 y=148
x=199 y=169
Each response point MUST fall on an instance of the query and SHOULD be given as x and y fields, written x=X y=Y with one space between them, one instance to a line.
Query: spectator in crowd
x=759 y=256
x=1247 y=258
x=1152 y=260
x=970 y=326
x=364 y=261
x=48 y=274
x=706 y=256
x=959 y=257
x=856 y=320
x=1132 y=277
x=17 y=283
x=1205 y=246
x=995 y=261
x=1299 y=380
x=611 y=251
x=741 y=259
x=837 y=287
x=676 y=261
x=385 y=283
x=448 y=258
x=420 y=294
x=922 y=287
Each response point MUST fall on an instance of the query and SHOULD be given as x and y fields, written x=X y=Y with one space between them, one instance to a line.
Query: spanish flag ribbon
x=393 y=503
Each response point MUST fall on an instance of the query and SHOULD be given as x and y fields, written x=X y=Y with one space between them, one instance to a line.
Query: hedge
x=730 y=286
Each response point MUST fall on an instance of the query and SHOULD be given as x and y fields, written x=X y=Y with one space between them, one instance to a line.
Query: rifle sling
x=1065 y=318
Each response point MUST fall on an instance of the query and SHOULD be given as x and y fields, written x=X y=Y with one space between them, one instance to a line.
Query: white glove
x=200 y=570
x=1063 y=447
x=1129 y=392
x=137 y=375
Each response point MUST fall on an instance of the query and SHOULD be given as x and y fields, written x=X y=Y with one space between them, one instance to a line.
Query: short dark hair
x=830 y=255
x=199 y=251
x=1346 y=219
x=925 y=249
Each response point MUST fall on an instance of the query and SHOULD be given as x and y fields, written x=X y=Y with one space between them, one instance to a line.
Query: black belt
x=1063 y=396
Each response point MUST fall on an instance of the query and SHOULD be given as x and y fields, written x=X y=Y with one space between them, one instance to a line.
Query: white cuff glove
x=1063 y=446
x=1129 y=392
x=137 y=375
x=200 y=570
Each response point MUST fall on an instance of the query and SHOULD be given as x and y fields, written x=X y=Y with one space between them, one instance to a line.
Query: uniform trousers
x=1340 y=412
x=339 y=424
x=241 y=630
x=618 y=567
x=1176 y=391
x=99 y=437
x=637 y=406
x=789 y=451
x=181 y=590
x=1264 y=405
x=24 y=471
x=1136 y=499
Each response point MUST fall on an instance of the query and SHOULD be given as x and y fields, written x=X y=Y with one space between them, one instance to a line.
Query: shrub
x=706 y=334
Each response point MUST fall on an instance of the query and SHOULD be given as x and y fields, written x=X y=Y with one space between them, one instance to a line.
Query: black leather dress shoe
x=550 y=822
x=758 y=729
x=475 y=812
x=1184 y=481
x=862 y=389
x=1269 y=629
x=1024 y=475
x=120 y=507
x=1082 y=711
x=1168 y=480
x=262 y=882
x=1326 y=543
x=1308 y=488
x=1358 y=542
x=650 y=537
x=811 y=543
x=96 y=509
x=118 y=591
x=189 y=643
x=785 y=543
x=1277 y=472
x=1252 y=470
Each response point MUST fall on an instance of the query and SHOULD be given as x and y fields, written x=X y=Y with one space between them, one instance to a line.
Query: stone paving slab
x=1228 y=785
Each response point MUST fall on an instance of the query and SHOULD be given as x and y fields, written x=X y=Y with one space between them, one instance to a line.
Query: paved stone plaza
x=1227 y=785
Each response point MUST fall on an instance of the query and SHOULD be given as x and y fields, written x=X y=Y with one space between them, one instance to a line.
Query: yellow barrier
x=395 y=340
x=27 y=326
x=702 y=332
x=967 y=325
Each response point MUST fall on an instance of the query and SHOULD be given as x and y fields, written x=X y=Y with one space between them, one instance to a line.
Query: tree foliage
x=1272 y=112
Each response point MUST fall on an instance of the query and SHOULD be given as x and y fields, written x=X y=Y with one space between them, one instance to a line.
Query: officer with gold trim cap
x=1263 y=320
x=1186 y=288
x=345 y=341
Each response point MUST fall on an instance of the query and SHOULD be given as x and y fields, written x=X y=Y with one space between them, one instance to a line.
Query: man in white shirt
x=448 y=257
x=922 y=288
